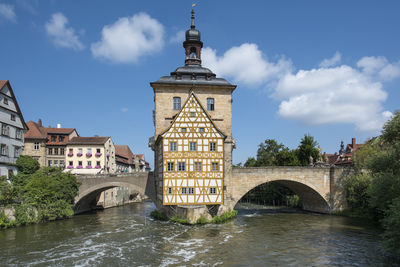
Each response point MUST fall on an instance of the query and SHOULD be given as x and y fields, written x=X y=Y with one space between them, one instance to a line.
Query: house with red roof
x=48 y=144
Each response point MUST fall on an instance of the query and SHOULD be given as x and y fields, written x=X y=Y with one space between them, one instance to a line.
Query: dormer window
x=5 y=101
x=210 y=104
x=177 y=103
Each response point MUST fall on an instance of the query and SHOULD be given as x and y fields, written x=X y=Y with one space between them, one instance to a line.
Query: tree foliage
x=42 y=194
x=376 y=183
x=307 y=148
x=27 y=164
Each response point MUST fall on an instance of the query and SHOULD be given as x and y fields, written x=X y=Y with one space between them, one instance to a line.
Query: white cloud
x=7 y=12
x=330 y=62
x=129 y=38
x=178 y=37
x=245 y=64
x=332 y=95
x=61 y=35
x=380 y=67
x=329 y=94
x=124 y=109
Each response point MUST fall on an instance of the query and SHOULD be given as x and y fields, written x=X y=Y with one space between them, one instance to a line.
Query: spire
x=192 y=26
x=192 y=44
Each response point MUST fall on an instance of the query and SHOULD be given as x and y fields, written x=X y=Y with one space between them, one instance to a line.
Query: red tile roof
x=49 y=130
x=34 y=131
x=124 y=154
x=95 y=140
x=2 y=83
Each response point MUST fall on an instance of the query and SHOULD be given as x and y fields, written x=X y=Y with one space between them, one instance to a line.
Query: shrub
x=202 y=220
x=391 y=223
x=159 y=215
x=26 y=214
x=177 y=219
x=226 y=216
x=5 y=222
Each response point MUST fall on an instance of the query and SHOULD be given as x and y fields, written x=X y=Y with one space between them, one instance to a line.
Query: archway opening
x=283 y=195
x=106 y=197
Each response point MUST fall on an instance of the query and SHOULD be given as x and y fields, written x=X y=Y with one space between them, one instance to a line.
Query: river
x=127 y=236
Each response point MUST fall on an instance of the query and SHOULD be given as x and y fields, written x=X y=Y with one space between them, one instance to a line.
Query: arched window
x=177 y=103
x=193 y=53
x=210 y=104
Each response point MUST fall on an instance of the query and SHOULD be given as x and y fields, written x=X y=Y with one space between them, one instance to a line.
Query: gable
x=192 y=117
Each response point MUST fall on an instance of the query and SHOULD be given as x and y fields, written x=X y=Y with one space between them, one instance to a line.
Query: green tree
x=267 y=151
x=27 y=164
x=251 y=162
x=307 y=148
x=287 y=157
x=391 y=223
x=7 y=192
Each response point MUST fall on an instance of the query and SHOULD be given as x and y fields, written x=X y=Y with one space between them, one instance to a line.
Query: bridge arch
x=310 y=184
x=89 y=197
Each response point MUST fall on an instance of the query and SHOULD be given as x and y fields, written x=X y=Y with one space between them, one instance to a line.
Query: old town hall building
x=193 y=141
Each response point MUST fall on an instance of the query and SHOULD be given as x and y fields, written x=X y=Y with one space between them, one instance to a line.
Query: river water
x=127 y=236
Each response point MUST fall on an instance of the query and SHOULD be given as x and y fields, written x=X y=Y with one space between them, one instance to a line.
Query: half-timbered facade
x=193 y=158
x=192 y=142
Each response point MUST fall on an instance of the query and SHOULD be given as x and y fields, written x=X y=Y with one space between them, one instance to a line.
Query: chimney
x=40 y=122
x=353 y=142
x=58 y=125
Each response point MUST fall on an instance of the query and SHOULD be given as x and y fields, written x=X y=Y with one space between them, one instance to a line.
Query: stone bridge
x=318 y=187
x=93 y=185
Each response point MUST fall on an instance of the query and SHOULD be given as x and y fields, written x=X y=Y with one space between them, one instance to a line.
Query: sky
x=330 y=69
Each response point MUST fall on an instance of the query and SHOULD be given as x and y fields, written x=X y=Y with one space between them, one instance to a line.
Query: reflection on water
x=127 y=236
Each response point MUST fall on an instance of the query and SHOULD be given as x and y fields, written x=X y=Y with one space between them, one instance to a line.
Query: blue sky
x=330 y=69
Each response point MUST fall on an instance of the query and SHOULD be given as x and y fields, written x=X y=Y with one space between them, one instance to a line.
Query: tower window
x=210 y=104
x=213 y=190
x=181 y=166
x=183 y=130
x=169 y=190
x=177 y=103
x=191 y=190
x=201 y=130
x=197 y=166
x=192 y=114
x=192 y=146
x=184 y=191
x=172 y=146
x=170 y=166
x=213 y=146
x=214 y=166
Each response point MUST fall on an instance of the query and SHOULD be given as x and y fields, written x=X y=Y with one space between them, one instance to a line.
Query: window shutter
x=6 y=154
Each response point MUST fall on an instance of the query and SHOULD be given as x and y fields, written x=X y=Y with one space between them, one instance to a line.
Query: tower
x=193 y=141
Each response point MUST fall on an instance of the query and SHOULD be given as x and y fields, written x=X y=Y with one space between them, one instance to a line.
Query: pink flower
x=88 y=166
x=70 y=154
x=108 y=155
x=97 y=154
x=70 y=167
x=88 y=154
x=79 y=167
x=98 y=167
x=79 y=154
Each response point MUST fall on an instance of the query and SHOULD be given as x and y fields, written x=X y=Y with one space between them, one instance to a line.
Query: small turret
x=192 y=45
